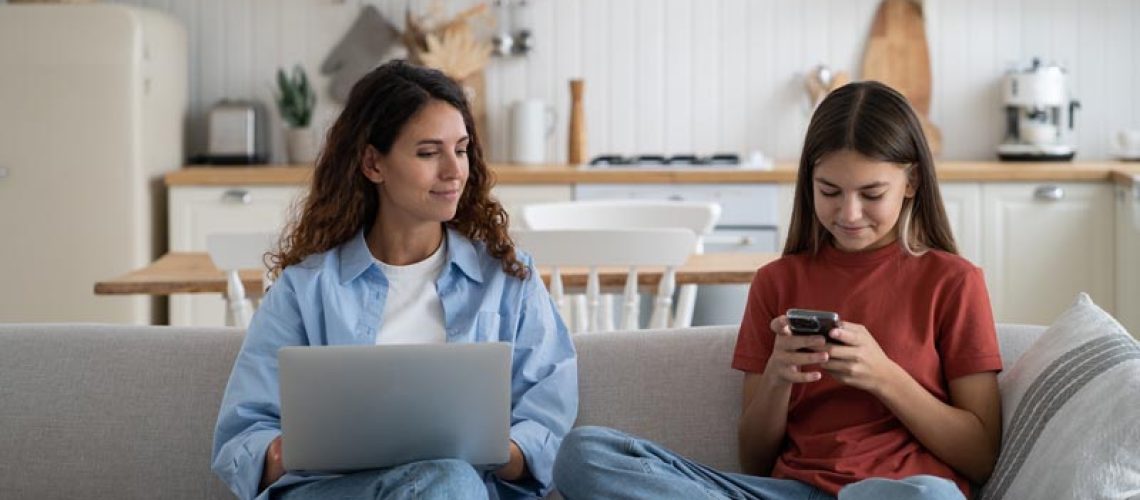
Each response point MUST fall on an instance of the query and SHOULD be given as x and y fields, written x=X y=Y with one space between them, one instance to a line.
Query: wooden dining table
x=193 y=272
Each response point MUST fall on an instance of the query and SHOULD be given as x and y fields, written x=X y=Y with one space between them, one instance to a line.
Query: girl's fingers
x=842 y=352
x=806 y=358
x=835 y=365
x=779 y=324
x=846 y=336
x=799 y=377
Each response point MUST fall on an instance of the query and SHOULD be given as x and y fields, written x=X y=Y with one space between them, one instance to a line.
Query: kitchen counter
x=1127 y=175
x=1117 y=172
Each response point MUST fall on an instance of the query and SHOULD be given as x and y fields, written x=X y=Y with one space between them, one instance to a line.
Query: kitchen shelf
x=992 y=171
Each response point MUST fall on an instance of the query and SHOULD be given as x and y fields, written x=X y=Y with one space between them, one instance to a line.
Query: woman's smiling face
x=423 y=176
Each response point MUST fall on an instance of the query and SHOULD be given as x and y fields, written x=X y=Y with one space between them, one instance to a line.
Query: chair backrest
x=239 y=250
x=593 y=248
x=231 y=252
x=698 y=217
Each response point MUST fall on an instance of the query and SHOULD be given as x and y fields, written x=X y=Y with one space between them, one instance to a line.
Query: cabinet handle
x=237 y=196
x=3 y=172
x=744 y=240
x=676 y=197
x=1049 y=192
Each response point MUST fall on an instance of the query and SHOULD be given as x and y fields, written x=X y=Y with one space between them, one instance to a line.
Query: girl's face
x=858 y=200
x=422 y=177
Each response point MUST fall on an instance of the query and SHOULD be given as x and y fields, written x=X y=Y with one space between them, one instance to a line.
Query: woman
x=400 y=242
x=906 y=404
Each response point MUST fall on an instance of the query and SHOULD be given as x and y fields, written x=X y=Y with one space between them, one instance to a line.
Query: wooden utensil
x=822 y=81
x=897 y=55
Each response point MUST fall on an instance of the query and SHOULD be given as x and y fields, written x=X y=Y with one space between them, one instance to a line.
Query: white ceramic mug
x=1127 y=142
x=532 y=123
x=1038 y=133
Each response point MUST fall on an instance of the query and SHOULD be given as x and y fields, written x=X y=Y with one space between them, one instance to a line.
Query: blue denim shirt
x=336 y=298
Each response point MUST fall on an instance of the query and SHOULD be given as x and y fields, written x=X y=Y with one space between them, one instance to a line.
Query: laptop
x=348 y=408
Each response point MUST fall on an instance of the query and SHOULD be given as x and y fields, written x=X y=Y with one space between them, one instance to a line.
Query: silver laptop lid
x=347 y=408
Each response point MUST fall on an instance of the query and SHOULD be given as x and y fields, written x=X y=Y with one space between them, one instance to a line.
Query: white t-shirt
x=413 y=312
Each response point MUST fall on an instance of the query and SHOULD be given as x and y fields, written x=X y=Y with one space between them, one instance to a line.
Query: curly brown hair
x=342 y=201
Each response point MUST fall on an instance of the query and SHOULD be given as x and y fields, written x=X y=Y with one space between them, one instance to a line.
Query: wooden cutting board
x=897 y=55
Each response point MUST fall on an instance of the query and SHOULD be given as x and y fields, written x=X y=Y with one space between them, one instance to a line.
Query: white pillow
x=1071 y=412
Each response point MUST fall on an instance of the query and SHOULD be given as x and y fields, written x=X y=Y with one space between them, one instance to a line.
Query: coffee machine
x=1038 y=115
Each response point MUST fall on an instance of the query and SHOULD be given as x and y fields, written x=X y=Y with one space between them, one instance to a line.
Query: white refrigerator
x=92 y=104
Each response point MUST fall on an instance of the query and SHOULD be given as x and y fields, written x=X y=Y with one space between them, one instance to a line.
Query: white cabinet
x=785 y=200
x=963 y=202
x=515 y=197
x=1128 y=257
x=196 y=211
x=1043 y=243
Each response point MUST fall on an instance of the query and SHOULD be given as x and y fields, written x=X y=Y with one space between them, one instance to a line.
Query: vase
x=301 y=145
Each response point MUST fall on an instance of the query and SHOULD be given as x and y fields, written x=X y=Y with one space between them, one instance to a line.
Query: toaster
x=237 y=133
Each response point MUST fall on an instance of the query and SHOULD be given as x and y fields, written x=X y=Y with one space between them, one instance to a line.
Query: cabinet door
x=1044 y=243
x=785 y=201
x=1128 y=257
x=196 y=212
x=515 y=197
x=963 y=202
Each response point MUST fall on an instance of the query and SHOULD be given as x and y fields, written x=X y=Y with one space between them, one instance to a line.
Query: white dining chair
x=232 y=252
x=594 y=248
x=698 y=217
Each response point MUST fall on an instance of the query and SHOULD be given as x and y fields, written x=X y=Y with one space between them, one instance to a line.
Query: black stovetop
x=656 y=160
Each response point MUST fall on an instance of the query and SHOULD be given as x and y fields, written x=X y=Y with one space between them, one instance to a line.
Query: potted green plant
x=295 y=101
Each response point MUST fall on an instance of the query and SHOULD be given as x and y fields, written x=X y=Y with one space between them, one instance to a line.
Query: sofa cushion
x=1014 y=340
x=102 y=411
x=92 y=411
x=674 y=387
x=1069 y=410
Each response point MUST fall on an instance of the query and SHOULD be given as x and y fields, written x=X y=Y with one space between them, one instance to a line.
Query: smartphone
x=809 y=322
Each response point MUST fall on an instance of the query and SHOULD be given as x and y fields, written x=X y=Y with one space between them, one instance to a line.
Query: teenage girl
x=905 y=403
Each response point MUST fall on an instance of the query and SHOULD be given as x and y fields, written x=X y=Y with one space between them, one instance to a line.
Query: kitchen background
x=701 y=76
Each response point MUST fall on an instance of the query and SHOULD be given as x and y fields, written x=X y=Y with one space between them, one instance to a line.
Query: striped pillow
x=1071 y=412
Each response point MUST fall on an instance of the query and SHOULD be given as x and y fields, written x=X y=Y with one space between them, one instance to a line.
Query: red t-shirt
x=930 y=314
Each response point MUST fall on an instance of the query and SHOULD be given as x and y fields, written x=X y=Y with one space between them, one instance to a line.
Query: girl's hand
x=790 y=352
x=861 y=362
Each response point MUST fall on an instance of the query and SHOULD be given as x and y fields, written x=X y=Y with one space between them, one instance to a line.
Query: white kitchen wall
x=701 y=76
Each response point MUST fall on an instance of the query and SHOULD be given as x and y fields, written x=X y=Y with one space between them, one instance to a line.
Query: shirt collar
x=355 y=257
x=461 y=253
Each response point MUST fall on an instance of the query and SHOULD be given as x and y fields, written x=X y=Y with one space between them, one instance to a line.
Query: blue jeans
x=430 y=479
x=596 y=462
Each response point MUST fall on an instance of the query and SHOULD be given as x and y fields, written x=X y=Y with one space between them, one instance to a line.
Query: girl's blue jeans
x=596 y=462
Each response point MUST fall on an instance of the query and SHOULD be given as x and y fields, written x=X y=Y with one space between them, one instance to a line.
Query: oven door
x=724 y=304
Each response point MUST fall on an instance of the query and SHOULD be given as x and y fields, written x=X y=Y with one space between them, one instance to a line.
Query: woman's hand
x=791 y=352
x=515 y=468
x=274 y=468
x=860 y=362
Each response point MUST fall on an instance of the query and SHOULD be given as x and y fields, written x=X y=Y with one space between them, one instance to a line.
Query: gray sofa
x=99 y=411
